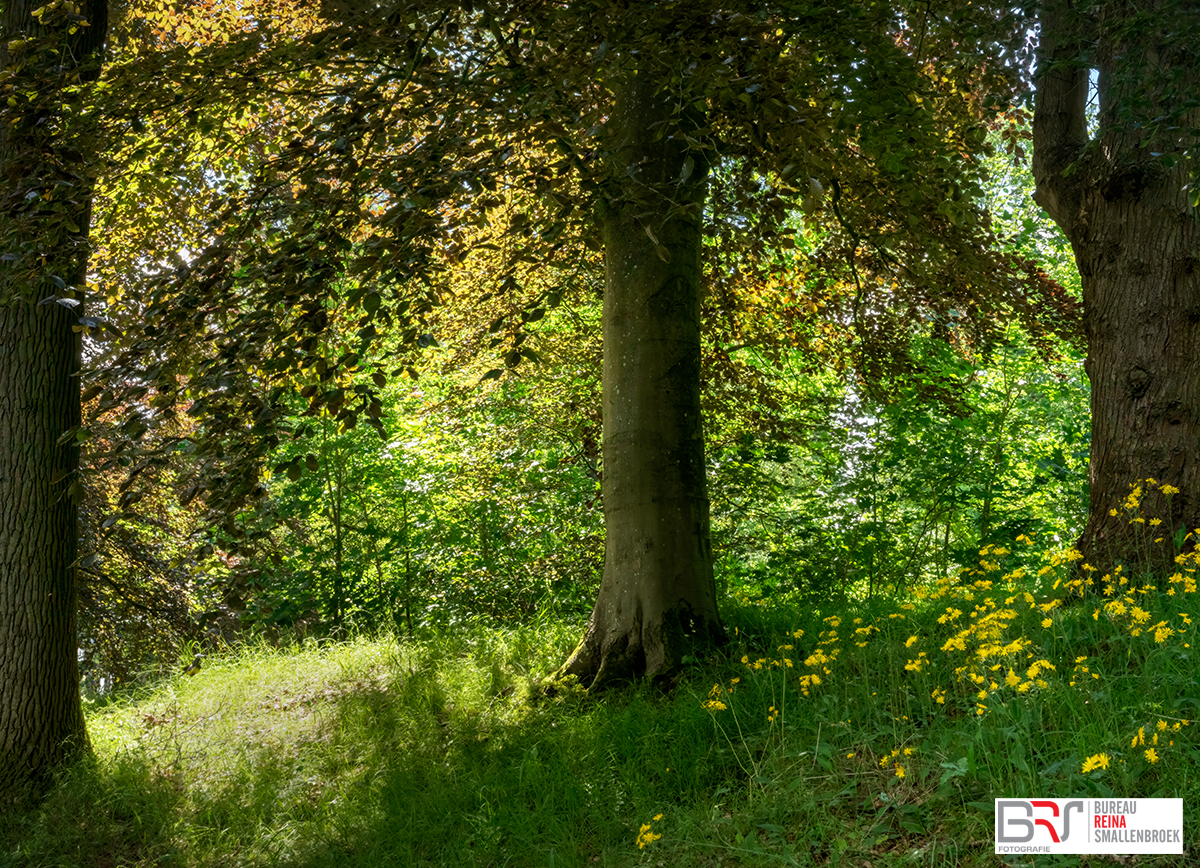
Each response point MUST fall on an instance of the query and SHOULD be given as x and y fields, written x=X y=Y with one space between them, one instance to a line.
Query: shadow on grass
x=117 y=813
x=416 y=768
x=436 y=754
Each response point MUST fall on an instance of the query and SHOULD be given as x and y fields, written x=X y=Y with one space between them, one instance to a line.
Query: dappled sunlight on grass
x=873 y=730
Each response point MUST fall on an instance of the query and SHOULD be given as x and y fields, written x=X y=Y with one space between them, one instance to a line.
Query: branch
x=1059 y=118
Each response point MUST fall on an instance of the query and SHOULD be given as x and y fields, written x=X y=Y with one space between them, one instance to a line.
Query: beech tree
x=46 y=53
x=658 y=595
x=1126 y=196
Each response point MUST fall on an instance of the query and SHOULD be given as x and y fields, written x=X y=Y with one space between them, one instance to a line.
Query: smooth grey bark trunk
x=657 y=599
x=44 y=212
x=1137 y=246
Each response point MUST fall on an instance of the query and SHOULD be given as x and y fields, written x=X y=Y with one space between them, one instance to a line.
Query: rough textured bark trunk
x=1137 y=246
x=657 y=599
x=44 y=211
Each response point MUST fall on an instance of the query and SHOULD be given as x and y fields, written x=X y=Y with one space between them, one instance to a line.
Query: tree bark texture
x=44 y=211
x=657 y=598
x=1136 y=241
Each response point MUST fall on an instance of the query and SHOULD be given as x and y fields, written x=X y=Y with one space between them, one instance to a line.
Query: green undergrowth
x=864 y=733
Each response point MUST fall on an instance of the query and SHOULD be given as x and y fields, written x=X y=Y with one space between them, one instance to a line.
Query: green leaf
x=689 y=166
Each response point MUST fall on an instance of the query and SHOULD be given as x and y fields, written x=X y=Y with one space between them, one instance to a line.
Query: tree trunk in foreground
x=44 y=211
x=657 y=599
x=1137 y=246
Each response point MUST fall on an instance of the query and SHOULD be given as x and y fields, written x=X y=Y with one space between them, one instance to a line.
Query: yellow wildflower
x=647 y=836
x=1100 y=760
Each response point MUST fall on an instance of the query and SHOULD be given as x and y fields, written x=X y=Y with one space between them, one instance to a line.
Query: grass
x=1006 y=683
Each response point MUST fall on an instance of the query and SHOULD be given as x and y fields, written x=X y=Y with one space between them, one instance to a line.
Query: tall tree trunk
x=657 y=599
x=1125 y=211
x=44 y=211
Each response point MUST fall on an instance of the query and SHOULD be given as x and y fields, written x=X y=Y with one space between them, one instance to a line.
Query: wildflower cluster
x=1166 y=730
x=894 y=758
x=783 y=661
x=1149 y=739
x=1130 y=608
x=862 y=634
x=717 y=695
x=647 y=835
x=1002 y=633
x=1081 y=670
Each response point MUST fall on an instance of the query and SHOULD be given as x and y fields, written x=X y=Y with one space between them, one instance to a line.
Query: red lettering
x=1053 y=833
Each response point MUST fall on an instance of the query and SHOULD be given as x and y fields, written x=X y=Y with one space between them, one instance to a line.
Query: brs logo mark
x=1005 y=809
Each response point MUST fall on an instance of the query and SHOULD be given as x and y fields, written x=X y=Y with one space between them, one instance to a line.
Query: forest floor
x=866 y=733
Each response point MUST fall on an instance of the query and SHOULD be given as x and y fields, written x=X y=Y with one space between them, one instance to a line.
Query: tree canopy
x=317 y=170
